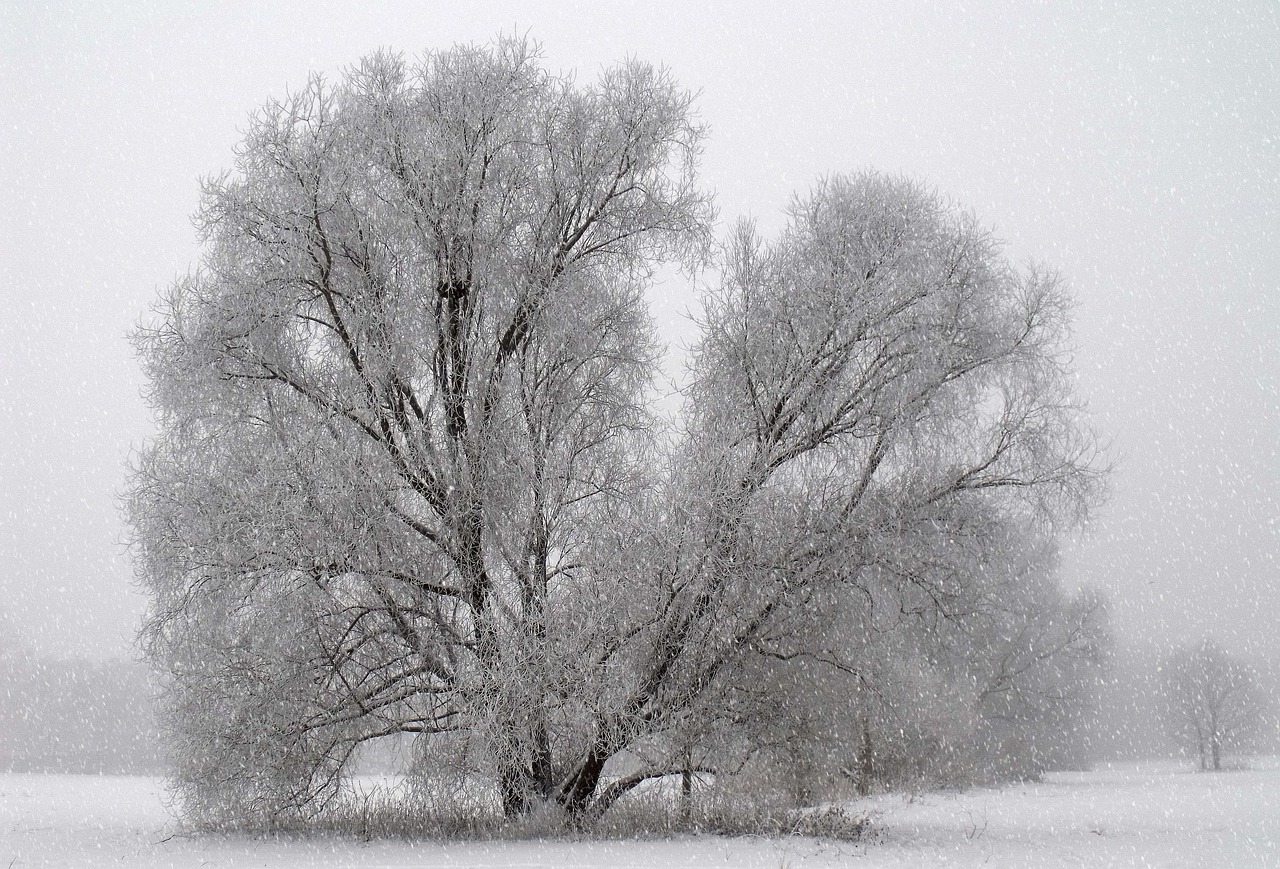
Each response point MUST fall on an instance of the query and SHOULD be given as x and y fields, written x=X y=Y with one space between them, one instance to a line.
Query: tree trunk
x=513 y=785
x=686 y=792
x=866 y=764
x=1216 y=746
x=575 y=793
x=543 y=774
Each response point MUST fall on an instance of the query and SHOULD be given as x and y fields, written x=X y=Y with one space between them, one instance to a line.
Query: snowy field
x=1132 y=815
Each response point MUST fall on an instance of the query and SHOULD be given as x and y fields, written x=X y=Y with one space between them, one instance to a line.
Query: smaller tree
x=1211 y=701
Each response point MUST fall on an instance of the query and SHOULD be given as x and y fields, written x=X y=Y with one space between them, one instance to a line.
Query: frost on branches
x=407 y=480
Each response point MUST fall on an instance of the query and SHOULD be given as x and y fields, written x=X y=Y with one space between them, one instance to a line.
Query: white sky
x=1137 y=149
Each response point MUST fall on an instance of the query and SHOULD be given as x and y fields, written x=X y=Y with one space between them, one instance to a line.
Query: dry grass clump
x=655 y=813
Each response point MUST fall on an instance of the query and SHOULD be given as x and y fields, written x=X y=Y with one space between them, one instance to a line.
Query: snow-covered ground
x=1132 y=815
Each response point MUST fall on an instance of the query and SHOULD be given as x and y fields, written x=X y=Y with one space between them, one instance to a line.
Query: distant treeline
x=76 y=716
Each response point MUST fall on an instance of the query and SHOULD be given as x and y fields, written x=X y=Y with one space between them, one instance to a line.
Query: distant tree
x=1211 y=701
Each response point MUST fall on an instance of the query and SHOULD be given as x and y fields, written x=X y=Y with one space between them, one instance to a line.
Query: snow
x=1152 y=814
x=1125 y=815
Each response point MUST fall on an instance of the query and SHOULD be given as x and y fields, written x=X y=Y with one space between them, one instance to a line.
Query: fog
x=1135 y=150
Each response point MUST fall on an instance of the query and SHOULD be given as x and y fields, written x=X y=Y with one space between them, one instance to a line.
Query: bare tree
x=874 y=392
x=406 y=370
x=405 y=480
x=1211 y=701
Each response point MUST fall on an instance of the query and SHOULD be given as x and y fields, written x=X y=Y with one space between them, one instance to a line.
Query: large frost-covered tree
x=393 y=401
x=877 y=397
x=405 y=480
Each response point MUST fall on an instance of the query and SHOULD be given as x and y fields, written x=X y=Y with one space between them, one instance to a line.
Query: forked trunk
x=575 y=794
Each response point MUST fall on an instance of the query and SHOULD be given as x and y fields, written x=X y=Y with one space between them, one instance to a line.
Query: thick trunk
x=1216 y=746
x=524 y=781
x=543 y=774
x=513 y=784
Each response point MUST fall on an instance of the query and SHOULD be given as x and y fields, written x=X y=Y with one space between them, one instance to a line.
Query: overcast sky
x=1135 y=148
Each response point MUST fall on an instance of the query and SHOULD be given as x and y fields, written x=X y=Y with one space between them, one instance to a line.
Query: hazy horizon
x=1136 y=152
